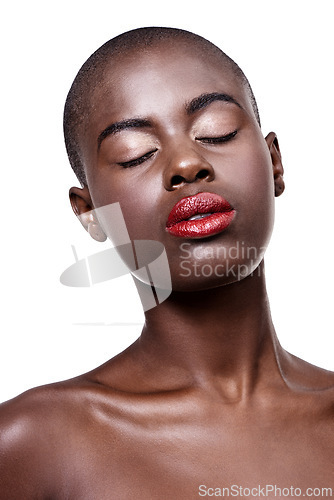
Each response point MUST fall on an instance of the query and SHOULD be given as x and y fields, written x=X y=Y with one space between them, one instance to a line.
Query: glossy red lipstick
x=199 y=216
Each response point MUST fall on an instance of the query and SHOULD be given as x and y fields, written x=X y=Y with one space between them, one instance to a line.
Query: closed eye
x=138 y=161
x=217 y=140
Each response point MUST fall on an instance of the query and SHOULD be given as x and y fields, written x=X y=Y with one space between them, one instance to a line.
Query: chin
x=205 y=275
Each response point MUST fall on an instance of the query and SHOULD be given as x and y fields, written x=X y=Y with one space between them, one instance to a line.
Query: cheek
x=253 y=187
x=138 y=199
x=141 y=206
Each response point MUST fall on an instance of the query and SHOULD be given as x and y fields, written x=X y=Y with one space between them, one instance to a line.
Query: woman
x=165 y=124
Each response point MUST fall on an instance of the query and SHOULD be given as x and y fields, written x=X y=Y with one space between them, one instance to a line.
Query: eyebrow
x=204 y=100
x=122 y=125
x=191 y=107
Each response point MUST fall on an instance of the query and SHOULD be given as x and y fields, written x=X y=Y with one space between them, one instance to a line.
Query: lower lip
x=201 y=228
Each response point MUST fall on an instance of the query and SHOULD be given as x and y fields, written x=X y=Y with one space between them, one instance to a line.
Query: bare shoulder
x=39 y=407
x=307 y=375
x=65 y=440
x=313 y=384
x=36 y=429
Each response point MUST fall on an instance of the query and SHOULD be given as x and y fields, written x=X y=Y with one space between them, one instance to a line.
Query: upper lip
x=201 y=203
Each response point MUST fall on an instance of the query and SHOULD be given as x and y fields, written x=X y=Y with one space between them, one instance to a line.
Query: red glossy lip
x=220 y=216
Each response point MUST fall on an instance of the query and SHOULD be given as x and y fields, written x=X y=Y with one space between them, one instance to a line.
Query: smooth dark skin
x=206 y=395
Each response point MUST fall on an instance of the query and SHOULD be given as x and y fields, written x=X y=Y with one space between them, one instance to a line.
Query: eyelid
x=218 y=140
x=206 y=140
x=139 y=160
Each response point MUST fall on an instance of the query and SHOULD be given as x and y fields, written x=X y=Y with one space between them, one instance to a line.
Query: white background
x=285 y=49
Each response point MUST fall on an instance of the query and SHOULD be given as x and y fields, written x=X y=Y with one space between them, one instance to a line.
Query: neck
x=225 y=333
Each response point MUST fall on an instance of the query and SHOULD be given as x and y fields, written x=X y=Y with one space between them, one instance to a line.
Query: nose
x=187 y=166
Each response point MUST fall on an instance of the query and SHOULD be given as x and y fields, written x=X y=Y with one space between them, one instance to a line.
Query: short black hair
x=77 y=106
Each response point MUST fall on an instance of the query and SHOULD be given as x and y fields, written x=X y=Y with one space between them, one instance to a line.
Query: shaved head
x=80 y=101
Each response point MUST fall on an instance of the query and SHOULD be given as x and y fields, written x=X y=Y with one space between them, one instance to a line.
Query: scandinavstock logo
x=146 y=260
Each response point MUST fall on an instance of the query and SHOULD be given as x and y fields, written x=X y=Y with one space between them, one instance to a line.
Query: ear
x=276 y=160
x=83 y=208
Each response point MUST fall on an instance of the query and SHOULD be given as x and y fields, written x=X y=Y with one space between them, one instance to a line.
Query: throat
x=224 y=333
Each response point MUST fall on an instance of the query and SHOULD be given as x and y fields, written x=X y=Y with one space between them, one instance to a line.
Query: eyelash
x=217 y=140
x=138 y=161
x=205 y=140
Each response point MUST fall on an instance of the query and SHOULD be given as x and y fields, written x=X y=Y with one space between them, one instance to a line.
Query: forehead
x=172 y=72
x=156 y=83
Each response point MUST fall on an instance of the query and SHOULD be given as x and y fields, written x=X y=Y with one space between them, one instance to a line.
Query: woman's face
x=168 y=124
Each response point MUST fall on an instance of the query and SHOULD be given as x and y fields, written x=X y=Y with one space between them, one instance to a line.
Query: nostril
x=202 y=174
x=177 y=179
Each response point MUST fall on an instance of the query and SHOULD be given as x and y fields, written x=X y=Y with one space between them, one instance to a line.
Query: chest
x=192 y=459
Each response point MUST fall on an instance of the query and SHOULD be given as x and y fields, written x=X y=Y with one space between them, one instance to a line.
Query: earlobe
x=276 y=160
x=83 y=208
